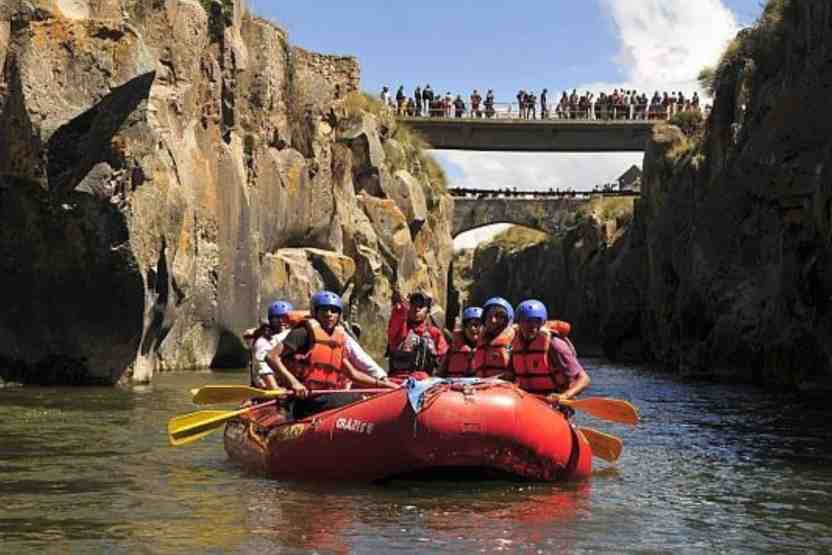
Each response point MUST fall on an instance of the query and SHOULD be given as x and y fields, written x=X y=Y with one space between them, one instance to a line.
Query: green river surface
x=711 y=468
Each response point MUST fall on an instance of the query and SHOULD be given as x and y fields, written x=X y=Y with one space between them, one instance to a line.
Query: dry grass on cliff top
x=414 y=146
x=619 y=209
x=518 y=237
x=762 y=42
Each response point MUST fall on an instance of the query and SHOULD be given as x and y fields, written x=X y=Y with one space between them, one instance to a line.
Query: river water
x=710 y=468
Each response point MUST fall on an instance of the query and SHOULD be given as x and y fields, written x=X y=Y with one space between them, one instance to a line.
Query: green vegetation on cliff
x=517 y=237
x=413 y=155
x=608 y=209
x=761 y=43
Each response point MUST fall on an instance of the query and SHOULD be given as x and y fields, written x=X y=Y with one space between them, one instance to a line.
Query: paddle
x=188 y=428
x=216 y=394
x=614 y=410
x=604 y=446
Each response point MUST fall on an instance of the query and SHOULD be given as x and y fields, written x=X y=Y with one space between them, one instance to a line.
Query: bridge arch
x=549 y=215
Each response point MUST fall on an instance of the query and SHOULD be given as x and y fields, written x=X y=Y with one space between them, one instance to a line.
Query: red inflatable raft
x=490 y=426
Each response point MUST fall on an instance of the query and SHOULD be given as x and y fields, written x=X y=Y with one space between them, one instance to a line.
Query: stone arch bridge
x=549 y=214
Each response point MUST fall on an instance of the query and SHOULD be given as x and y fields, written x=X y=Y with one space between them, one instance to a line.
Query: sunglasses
x=472 y=324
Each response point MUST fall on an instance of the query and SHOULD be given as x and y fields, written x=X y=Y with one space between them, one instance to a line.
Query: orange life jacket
x=320 y=367
x=493 y=358
x=460 y=357
x=530 y=361
x=559 y=327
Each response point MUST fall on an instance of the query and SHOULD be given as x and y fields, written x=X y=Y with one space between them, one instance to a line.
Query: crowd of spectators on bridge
x=619 y=104
x=606 y=188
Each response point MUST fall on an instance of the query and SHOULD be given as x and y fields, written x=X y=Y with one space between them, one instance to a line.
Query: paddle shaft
x=217 y=394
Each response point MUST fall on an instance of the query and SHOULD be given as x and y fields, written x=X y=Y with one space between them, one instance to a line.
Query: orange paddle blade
x=614 y=410
x=604 y=446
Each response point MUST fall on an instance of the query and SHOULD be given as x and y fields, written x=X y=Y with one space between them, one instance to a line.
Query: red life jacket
x=493 y=358
x=460 y=357
x=532 y=369
x=416 y=353
x=320 y=367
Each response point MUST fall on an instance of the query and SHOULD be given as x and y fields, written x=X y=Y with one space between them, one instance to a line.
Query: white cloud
x=663 y=44
x=533 y=171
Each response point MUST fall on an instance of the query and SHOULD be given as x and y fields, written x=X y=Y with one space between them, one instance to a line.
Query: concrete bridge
x=550 y=214
x=560 y=135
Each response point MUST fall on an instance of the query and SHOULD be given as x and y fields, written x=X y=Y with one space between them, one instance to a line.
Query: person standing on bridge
x=401 y=100
x=544 y=105
x=427 y=99
x=489 y=104
x=459 y=106
x=521 y=103
x=475 y=104
x=417 y=98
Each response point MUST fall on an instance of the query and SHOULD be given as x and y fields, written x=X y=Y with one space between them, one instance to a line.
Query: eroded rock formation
x=168 y=168
x=738 y=227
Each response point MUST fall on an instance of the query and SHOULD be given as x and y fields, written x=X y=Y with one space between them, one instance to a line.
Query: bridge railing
x=511 y=110
x=537 y=195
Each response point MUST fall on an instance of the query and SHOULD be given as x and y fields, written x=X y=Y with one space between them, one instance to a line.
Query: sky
x=459 y=46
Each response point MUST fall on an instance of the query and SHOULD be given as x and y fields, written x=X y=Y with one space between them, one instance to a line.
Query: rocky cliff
x=168 y=168
x=726 y=268
x=738 y=223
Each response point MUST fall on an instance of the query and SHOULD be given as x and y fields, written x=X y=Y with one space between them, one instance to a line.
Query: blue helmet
x=471 y=313
x=501 y=303
x=531 y=309
x=280 y=308
x=326 y=298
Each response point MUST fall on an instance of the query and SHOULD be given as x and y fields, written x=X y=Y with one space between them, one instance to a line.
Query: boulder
x=409 y=196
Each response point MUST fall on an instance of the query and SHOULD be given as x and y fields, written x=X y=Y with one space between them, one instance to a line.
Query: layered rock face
x=169 y=168
x=738 y=229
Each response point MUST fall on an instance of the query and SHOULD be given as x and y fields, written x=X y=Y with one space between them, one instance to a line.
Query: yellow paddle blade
x=604 y=446
x=188 y=428
x=614 y=410
x=215 y=394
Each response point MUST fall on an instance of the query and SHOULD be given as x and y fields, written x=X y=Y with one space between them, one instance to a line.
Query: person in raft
x=414 y=344
x=493 y=354
x=459 y=362
x=317 y=354
x=265 y=339
x=542 y=362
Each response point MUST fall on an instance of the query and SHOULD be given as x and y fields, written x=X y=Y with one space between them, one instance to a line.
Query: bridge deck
x=533 y=135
